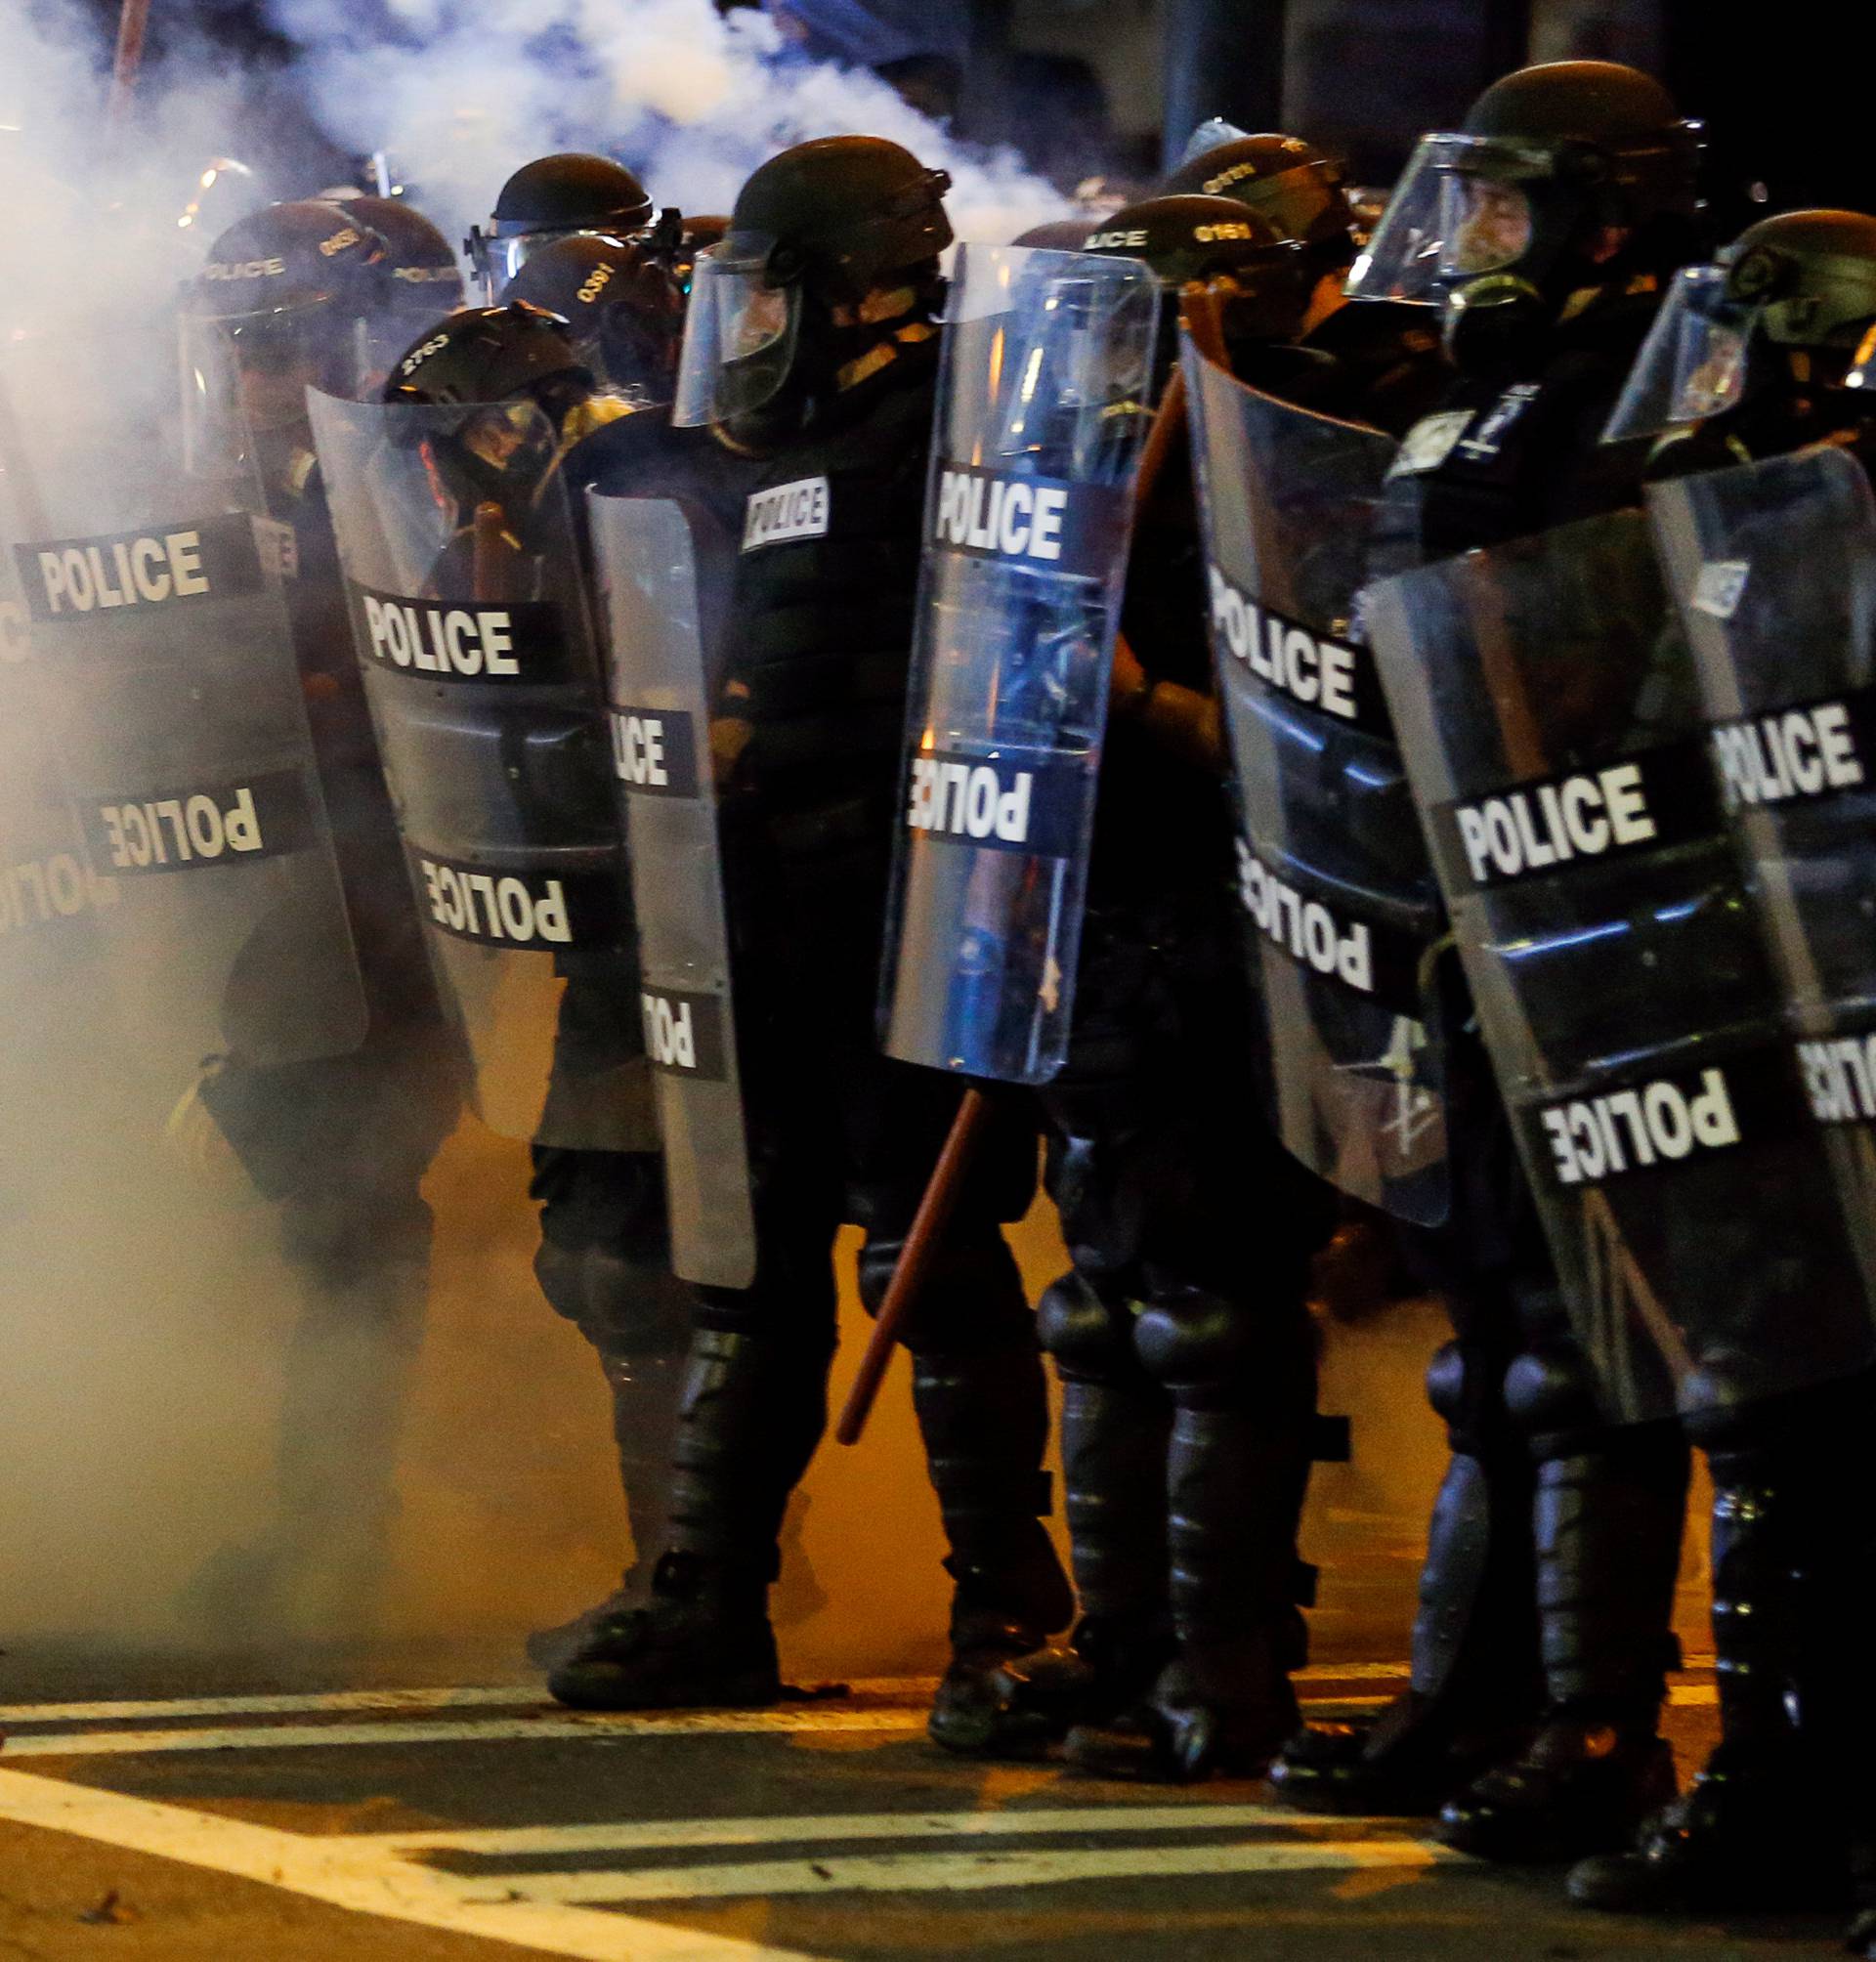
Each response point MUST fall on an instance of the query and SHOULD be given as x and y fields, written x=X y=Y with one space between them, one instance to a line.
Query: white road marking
x=516 y=1695
x=629 y=1835
x=925 y=1872
x=595 y=1728
x=367 y=1881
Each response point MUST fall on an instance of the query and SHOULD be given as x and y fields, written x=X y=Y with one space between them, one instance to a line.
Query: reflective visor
x=1458 y=212
x=738 y=333
x=1692 y=364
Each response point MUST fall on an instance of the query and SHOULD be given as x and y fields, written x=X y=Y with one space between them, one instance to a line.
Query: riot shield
x=1042 y=411
x=1547 y=710
x=1341 y=908
x=659 y=698
x=467 y=594
x=1773 y=568
x=173 y=713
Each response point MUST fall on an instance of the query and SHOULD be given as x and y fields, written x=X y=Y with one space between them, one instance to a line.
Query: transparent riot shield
x=1547 y=710
x=53 y=948
x=1042 y=411
x=659 y=697
x=469 y=608
x=1773 y=568
x=1341 y=908
x=173 y=711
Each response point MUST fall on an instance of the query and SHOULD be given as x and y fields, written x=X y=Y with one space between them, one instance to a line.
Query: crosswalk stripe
x=365 y=1880
x=623 y=1836
x=922 y=1872
x=786 y=1722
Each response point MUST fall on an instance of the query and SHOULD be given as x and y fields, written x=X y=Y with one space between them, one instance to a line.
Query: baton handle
x=914 y=1259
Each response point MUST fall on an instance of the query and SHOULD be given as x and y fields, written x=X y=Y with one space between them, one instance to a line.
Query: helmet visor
x=497 y=259
x=1212 y=134
x=739 y=334
x=244 y=376
x=1484 y=226
x=1459 y=211
x=1692 y=364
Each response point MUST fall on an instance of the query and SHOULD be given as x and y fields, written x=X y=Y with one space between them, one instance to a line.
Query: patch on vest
x=789 y=511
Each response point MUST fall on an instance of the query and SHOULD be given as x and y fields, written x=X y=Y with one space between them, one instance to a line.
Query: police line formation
x=1307 y=721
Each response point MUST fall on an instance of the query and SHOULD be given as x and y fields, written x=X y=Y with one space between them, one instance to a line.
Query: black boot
x=1477 y=1686
x=984 y=1417
x=645 y=1392
x=1236 y=1475
x=1608 y=1546
x=1115 y=1423
x=751 y=1414
x=1751 y=1832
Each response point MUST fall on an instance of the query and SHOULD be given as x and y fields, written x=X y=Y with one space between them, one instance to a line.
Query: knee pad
x=1550 y=1396
x=1466 y=1385
x=1187 y=1337
x=1213 y=1350
x=1088 y=1337
x=971 y=1297
x=621 y=1306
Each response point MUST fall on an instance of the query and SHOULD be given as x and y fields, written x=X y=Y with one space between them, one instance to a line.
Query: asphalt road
x=429 y=1808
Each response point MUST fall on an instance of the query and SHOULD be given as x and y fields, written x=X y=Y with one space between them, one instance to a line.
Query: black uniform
x=1544 y=228
x=1581 y=1617
x=1779 y=1817
x=812 y=639
x=1181 y=1335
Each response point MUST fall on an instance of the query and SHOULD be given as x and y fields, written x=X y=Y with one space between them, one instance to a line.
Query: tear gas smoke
x=462 y=91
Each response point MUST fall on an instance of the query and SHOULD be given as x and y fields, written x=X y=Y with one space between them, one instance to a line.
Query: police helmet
x=1267 y=279
x=623 y=303
x=286 y=297
x=573 y=190
x=820 y=226
x=1295 y=184
x=1549 y=163
x=1802 y=283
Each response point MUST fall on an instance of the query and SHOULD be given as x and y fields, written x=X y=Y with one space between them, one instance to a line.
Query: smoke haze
x=462 y=91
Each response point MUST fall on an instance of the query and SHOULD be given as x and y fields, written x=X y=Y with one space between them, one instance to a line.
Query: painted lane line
x=473 y=1730
x=532 y=1696
x=944 y=1872
x=517 y=1696
x=629 y=1835
x=343 y=1874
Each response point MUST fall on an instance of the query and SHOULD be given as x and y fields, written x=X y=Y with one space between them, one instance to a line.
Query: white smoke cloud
x=461 y=91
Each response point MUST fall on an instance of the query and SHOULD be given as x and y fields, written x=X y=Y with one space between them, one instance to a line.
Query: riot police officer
x=1372 y=363
x=601 y=1262
x=1758 y=357
x=1182 y=1334
x=805 y=406
x=553 y=197
x=288 y=297
x=1544 y=228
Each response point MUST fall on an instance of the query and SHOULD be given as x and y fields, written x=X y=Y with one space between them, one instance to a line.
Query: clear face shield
x=245 y=377
x=1692 y=364
x=739 y=334
x=496 y=259
x=1458 y=213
